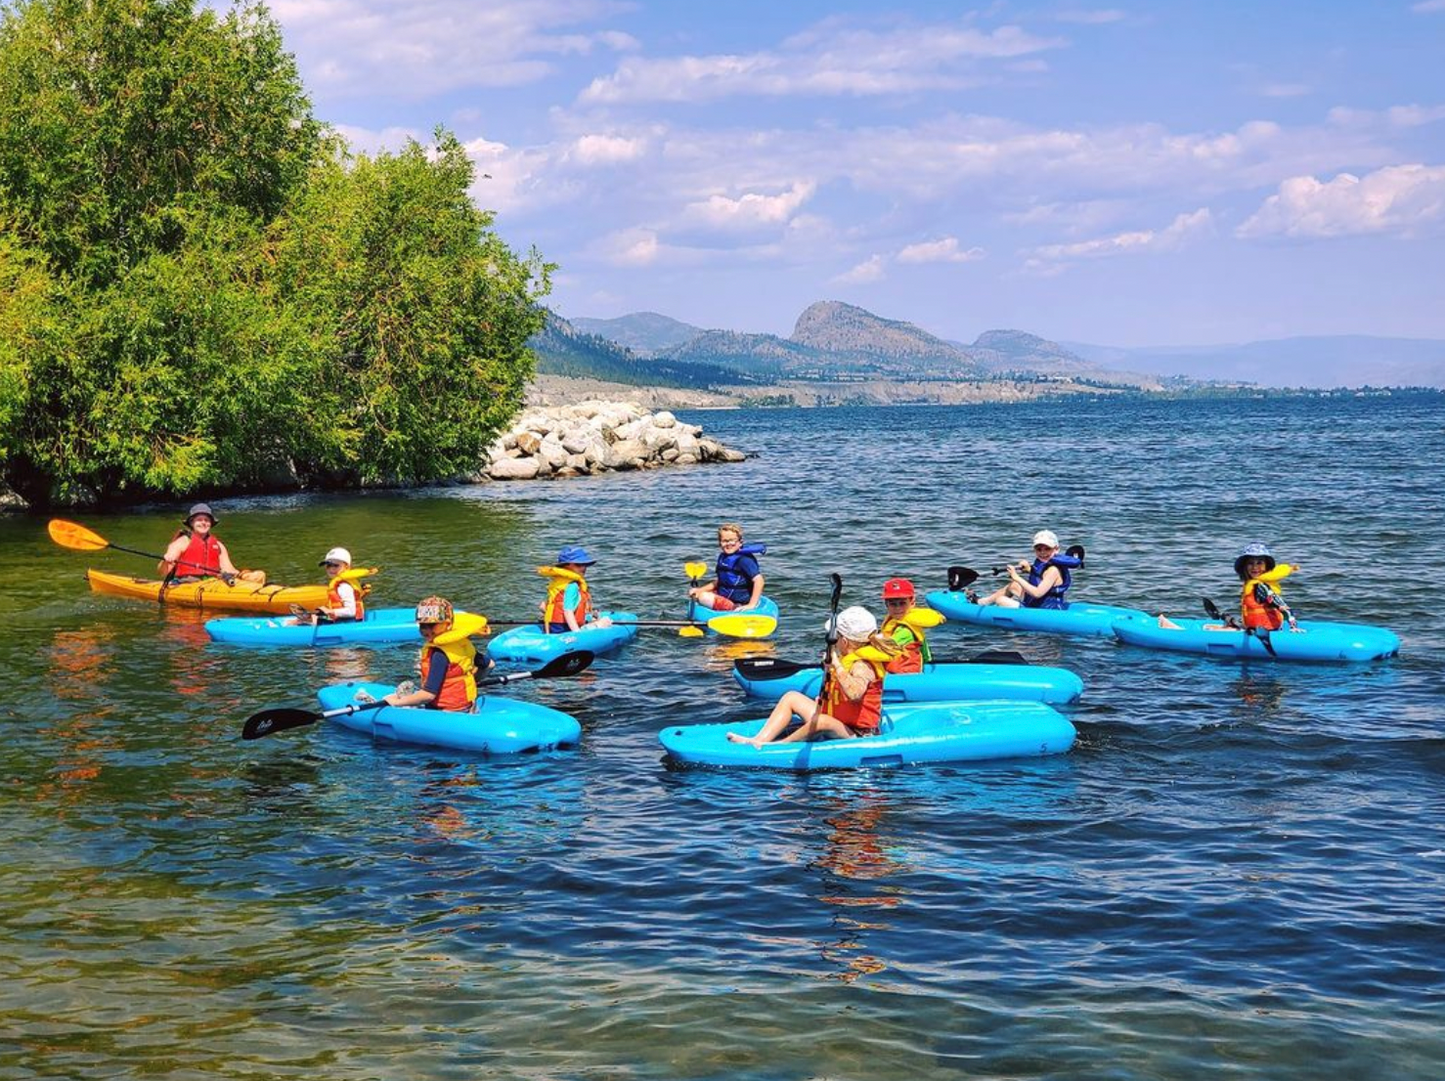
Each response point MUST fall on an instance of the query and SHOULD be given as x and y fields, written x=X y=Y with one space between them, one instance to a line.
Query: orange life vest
x=553 y=609
x=864 y=714
x=201 y=557
x=1257 y=615
x=459 y=687
x=353 y=579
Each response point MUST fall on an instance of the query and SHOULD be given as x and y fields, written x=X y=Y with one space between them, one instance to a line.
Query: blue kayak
x=912 y=733
x=499 y=725
x=942 y=682
x=1315 y=640
x=766 y=607
x=381 y=626
x=1078 y=618
x=532 y=645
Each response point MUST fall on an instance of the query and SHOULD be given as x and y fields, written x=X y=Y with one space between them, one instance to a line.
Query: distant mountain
x=642 y=332
x=1340 y=361
x=563 y=350
x=1010 y=352
x=872 y=342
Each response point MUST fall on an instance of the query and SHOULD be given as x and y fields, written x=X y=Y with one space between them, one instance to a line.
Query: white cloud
x=418 y=48
x=1426 y=7
x=871 y=269
x=945 y=250
x=631 y=248
x=1171 y=238
x=750 y=210
x=1397 y=116
x=833 y=59
x=606 y=149
x=1399 y=199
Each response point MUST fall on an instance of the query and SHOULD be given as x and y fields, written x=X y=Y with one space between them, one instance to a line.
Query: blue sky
x=1145 y=174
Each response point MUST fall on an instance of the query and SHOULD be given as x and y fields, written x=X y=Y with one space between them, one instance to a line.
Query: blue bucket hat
x=575 y=553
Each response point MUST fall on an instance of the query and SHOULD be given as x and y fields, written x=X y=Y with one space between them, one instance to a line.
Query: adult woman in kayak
x=852 y=700
x=195 y=552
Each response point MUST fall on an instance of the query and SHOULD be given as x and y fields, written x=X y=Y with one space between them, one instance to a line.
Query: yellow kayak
x=210 y=593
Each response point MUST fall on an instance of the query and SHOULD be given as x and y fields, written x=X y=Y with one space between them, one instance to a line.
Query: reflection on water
x=854 y=853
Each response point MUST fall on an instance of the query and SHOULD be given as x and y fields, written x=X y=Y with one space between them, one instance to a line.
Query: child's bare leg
x=792 y=703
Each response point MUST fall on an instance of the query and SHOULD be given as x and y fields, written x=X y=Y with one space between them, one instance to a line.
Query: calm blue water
x=1238 y=872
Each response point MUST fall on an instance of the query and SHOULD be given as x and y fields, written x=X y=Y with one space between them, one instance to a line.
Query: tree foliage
x=201 y=288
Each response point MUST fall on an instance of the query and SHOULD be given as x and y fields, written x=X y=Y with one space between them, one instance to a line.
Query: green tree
x=202 y=288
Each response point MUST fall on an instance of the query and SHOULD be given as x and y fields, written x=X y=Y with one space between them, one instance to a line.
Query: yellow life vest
x=462 y=657
x=916 y=620
x=558 y=579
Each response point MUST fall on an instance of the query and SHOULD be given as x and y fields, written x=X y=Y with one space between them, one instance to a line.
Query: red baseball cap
x=898 y=587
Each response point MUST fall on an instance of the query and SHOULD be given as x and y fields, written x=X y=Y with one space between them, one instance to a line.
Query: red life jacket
x=201 y=557
x=864 y=714
x=1257 y=615
x=333 y=595
x=911 y=659
x=459 y=686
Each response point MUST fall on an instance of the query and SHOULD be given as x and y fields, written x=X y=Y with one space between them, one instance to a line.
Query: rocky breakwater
x=597 y=437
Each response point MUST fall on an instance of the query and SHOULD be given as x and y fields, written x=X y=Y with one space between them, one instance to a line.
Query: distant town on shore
x=840 y=354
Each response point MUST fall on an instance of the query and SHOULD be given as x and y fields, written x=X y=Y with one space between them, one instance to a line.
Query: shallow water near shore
x=1237 y=872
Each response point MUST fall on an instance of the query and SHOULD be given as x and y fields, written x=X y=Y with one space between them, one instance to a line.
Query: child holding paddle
x=738 y=582
x=449 y=662
x=1261 y=606
x=852 y=700
x=569 y=603
x=344 y=591
x=1048 y=577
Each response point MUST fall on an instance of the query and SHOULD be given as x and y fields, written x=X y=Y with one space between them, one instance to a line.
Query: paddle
x=733 y=624
x=694 y=572
x=1212 y=611
x=960 y=578
x=76 y=537
x=1075 y=551
x=759 y=669
x=269 y=721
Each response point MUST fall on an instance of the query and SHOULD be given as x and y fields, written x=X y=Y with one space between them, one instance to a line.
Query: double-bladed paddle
x=1212 y=611
x=733 y=624
x=269 y=721
x=1076 y=551
x=694 y=572
x=960 y=578
x=76 y=537
x=759 y=669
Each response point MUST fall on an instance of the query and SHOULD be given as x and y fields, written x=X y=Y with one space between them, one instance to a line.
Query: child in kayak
x=195 y=552
x=852 y=700
x=905 y=626
x=738 y=582
x=1261 y=606
x=449 y=663
x=1047 y=582
x=569 y=603
x=343 y=591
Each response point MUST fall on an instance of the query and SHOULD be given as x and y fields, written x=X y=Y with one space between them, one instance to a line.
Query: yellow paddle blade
x=694 y=570
x=690 y=632
x=740 y=625
x=76 y=536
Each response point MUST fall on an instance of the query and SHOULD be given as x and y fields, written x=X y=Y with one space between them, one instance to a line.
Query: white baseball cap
x=855 y=623
x=336 y=555
x=1047 y=536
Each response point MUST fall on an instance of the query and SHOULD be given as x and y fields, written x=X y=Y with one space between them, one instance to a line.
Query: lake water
x=1238 y=872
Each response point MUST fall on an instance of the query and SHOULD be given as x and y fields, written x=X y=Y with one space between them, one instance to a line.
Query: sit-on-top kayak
x=910 y=733
x=381 y=626
x=942 y=682
x=766 y=607
x=1080 y=617
x=499 y=725
x=1314 y=641
x=531 y=644
x=209 y=593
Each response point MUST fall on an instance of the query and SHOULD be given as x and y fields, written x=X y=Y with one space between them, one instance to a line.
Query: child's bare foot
x=738 y=737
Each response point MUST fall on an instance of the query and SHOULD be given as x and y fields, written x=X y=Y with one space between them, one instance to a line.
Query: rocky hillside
x=644 y=333
x=872 y=342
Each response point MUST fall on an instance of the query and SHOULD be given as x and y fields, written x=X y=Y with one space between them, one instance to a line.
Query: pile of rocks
x=598 y=436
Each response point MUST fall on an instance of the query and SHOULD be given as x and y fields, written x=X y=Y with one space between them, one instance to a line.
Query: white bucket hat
x=1047 y=536
x=855 y=623
x=336 y=555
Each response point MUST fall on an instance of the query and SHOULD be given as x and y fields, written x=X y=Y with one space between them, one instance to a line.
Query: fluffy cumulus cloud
x=750 y=210
x=1174 y=236
x=606 y=149
x=1401 y=199
x=834 y=58
x=946 y=250
x=871 y=269
x=418 y=48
